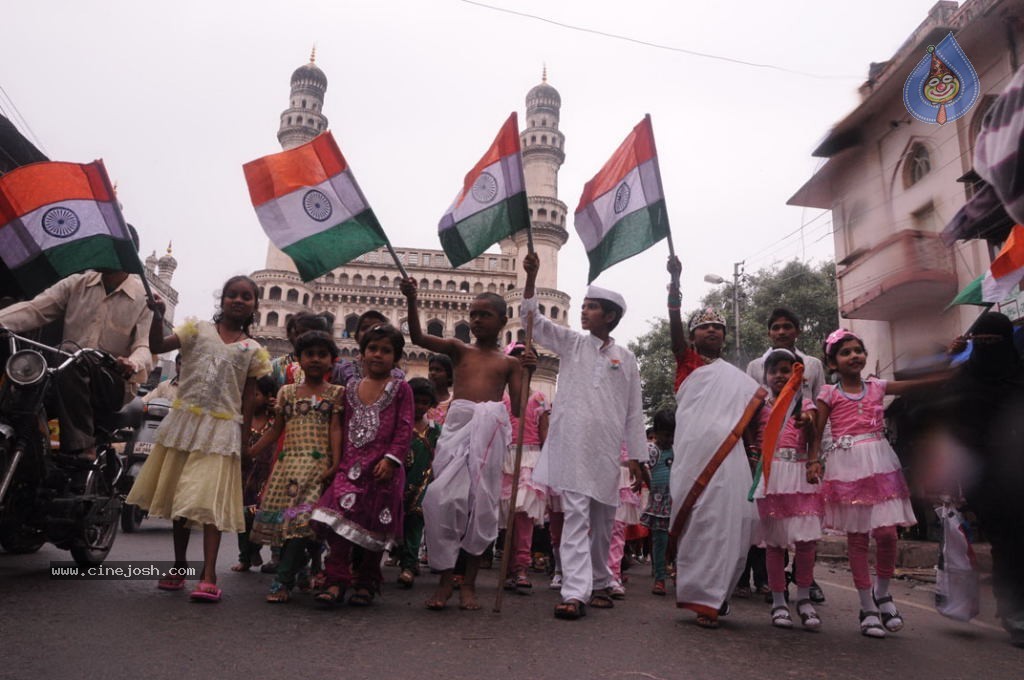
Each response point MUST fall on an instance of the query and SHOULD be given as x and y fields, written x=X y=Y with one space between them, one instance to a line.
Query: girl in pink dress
x=863 y=485
x=790 y=503
x=363 y=505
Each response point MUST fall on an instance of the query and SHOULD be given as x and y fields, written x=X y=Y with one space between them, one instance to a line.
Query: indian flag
x=622 y=209
x=1005 y=272
x=311 y=207
x=491 y=205
x=61 y=218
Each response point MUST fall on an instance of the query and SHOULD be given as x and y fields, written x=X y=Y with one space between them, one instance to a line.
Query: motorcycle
x=44 y=495
x=135 y=454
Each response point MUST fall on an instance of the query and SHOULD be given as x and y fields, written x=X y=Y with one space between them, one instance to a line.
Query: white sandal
x=808 y=614
x=781 y=617
x=871 y=625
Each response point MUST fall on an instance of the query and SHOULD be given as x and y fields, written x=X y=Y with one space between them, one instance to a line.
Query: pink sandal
x=206 y=592
x=171 y=583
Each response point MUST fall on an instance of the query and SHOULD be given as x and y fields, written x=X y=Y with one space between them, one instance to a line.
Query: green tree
x=809 y=291
x=653 y=352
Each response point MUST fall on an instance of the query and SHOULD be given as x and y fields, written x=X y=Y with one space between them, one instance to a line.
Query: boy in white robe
x=460 y=507
x=599 y=407
x=715 y=400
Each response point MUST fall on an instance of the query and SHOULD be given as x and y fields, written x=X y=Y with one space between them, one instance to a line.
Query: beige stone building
x=893 y=182
x=371 y=281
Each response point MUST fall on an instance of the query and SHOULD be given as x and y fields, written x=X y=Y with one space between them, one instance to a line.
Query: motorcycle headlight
x=26 y=367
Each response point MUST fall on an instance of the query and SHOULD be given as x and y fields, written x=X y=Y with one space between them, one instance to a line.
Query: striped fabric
x=61 y=218
x=997 y=151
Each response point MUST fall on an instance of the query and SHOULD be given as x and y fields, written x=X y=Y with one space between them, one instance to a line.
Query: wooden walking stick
x=524 y=398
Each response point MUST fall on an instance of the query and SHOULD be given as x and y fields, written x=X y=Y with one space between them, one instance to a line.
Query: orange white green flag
x=622 y=209
x=60 y=218
x=311 y=207
x=491 y=205
x=1005 y=272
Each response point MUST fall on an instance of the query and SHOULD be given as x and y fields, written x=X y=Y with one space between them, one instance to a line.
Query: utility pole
x=737 y=272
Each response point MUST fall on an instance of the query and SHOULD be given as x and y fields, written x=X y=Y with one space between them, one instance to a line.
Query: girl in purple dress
x=363 y=505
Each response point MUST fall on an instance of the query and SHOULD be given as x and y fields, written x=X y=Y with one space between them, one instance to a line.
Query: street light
x=737 y=272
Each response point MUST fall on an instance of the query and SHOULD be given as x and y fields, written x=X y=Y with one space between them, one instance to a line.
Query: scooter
x=135 y=454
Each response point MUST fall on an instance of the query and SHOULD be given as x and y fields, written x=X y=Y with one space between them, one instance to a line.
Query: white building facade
x=892 y=183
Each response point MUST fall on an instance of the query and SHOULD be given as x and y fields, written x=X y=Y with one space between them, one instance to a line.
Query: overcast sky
x=175 y=97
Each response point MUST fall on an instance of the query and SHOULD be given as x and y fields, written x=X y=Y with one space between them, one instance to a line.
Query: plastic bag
x=957 y=593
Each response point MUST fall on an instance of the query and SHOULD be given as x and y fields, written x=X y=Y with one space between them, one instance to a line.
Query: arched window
x=305 y=299
x=918 y=163
x=491 y=288
x=462 y=331
x=478 y=287
x=329 y=277
x=293 y=295
x=543 y=139
x=435 y=328
x=521 y=335
x=385 y=282
x=533 y=139
x=437 y=285
x=554 y=313
x=424 y=284
x=357 y=280
x=256 y=318
x=371 y=280
x=542 y=212
x=275 y=293
x=289 y=120
x=464 y=286
x=272 y=319
x=542 y=309
x=343 y=280
x=288 y=319
x=543 y=122
x=263 y=295
x=303 y=103
x=450 y=287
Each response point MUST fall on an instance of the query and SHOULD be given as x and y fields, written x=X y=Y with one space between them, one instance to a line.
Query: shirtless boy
x=460 y=507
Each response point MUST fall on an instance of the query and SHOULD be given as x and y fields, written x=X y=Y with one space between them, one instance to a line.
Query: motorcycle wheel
x=22 y=541
x=96 y=538
x=131 y=518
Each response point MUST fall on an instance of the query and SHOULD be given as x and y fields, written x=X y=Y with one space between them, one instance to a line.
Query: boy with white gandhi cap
x=599 y=408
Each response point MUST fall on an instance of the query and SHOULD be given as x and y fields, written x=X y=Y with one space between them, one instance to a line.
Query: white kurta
x=599 y=407
x=460 y=507
x=713 y=547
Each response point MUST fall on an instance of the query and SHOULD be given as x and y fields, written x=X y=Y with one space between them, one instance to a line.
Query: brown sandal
x=602 y=599
x=705 y=621
x=570 y=610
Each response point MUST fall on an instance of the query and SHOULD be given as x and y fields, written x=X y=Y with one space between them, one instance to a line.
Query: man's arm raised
x=675 y=300
x=450 y=346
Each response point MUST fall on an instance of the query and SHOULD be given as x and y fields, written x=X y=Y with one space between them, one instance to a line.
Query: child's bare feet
x=467 y=597
x=439 y=600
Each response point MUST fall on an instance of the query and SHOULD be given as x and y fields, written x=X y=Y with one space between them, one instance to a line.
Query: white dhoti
x=712 y=549
x=460 y=507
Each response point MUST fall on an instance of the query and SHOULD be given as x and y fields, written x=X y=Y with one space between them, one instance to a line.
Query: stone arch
x=450 y=286
x=462 y=331
x=305 y=300
x=491 y=288
x=351 y=324
x=272 y=319
x=343 y=280
x=293 y=295
x=385 y=282
x=478 y=287
x=554 y=315
x=437 y=285
x=435 y=328
x=357 y=280
x=464 y=287
x=275 y=293
x=371 y=281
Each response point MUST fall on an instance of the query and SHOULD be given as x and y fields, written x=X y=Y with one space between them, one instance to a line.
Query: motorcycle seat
x=130 y=415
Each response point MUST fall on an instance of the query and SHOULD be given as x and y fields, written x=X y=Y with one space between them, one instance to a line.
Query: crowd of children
x=343 y=461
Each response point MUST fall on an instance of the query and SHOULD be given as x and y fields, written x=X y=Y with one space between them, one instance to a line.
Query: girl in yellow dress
x=193 y=476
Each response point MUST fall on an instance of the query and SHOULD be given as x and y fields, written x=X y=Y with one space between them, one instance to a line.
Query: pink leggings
x=885 y=555
x=522 y=541
x=803 y=566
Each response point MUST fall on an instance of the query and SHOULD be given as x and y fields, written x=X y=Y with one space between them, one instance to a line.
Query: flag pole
x=657 y=174
x=124 y=225
x=398 y=262
x=524 y=399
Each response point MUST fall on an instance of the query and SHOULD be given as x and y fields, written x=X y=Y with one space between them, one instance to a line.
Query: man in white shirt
x=599 y=408
x=783 y=332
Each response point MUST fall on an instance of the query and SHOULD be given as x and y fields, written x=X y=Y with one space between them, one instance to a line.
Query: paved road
x=128 y=629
